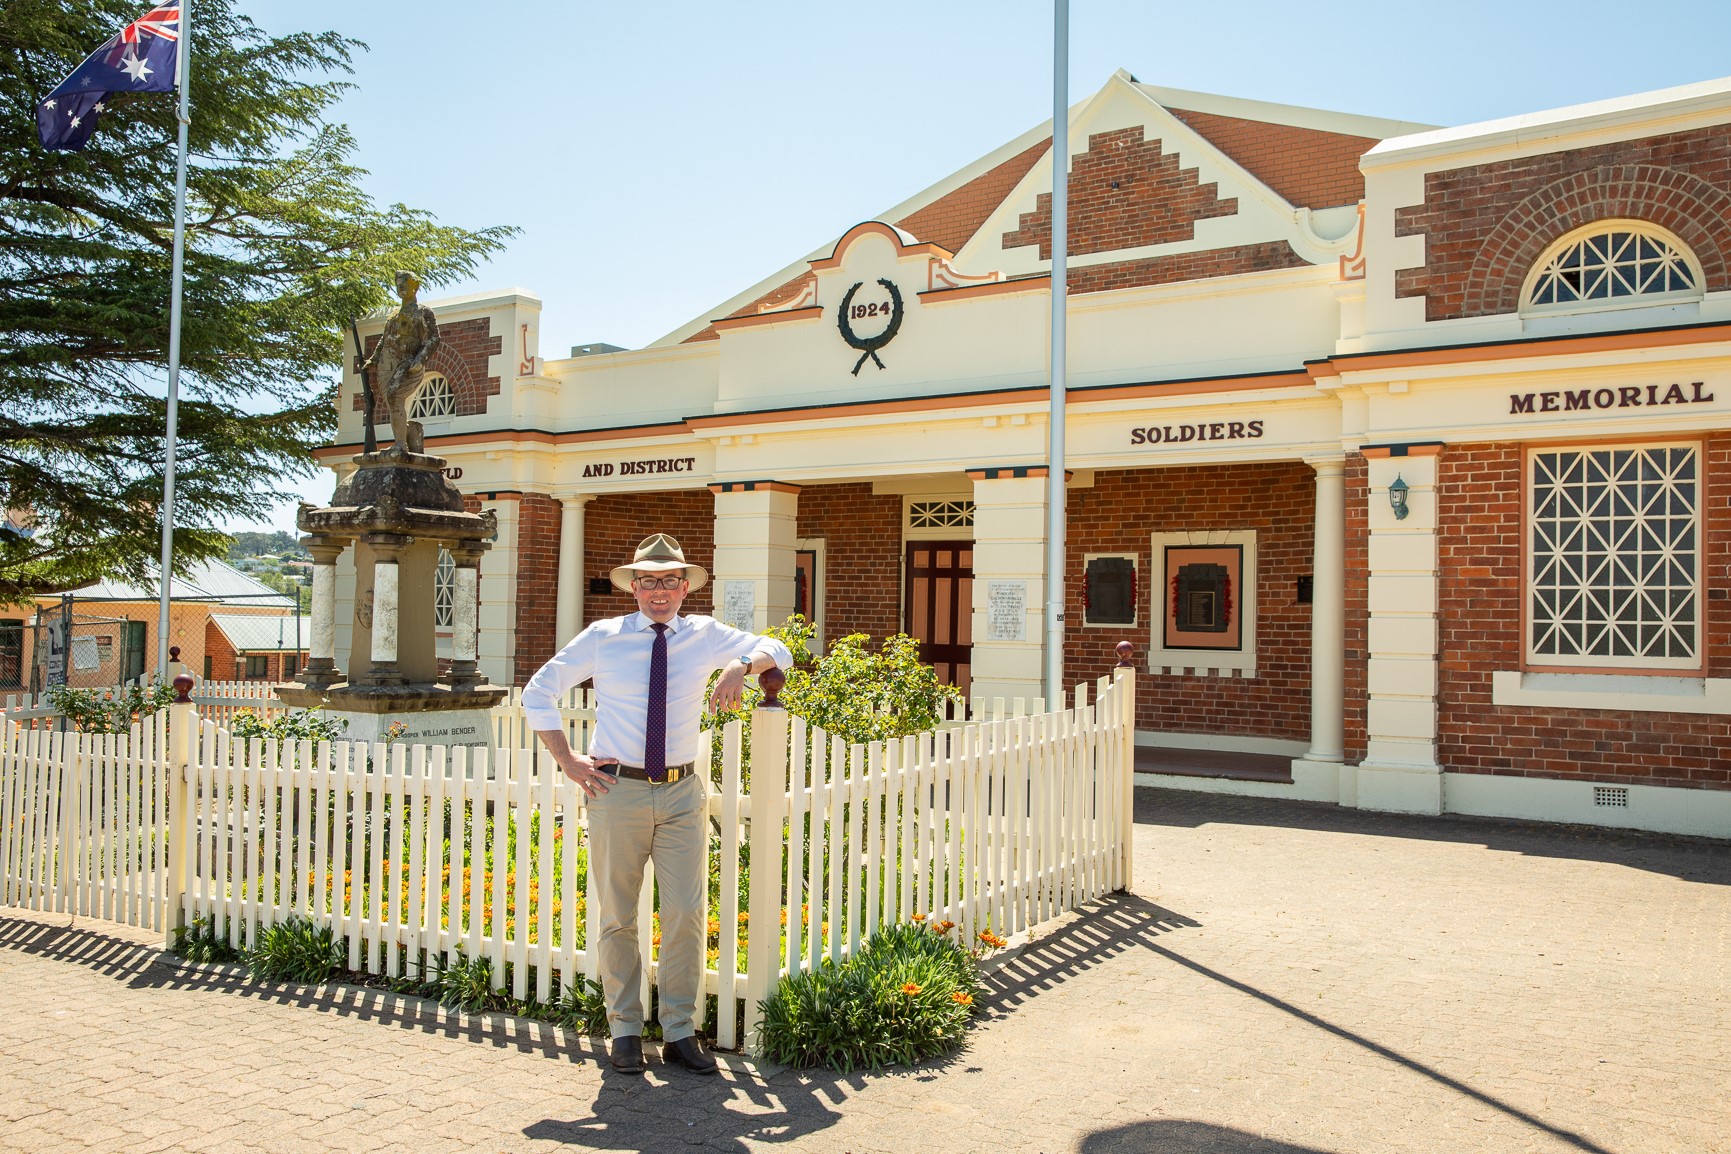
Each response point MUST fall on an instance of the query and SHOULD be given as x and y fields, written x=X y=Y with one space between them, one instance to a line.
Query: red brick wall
x=1125 y=192
x=461 y=358
x=1480 y=590
x=614 y=524
x=863 y=556
x=538 y=517
x=1309 y=168
x=1484 y=226
x=1183 y=266
x=1119 y=513
x=1357 y=648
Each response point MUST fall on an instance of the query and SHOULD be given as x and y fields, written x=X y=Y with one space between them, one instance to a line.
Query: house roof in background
x=212 y=581
x=252 y=633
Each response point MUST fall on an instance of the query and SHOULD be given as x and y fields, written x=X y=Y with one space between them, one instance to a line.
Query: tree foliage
x=283 y=249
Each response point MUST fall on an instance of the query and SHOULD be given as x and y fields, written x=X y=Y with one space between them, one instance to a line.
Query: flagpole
x=1055 y=522
x=183 y=115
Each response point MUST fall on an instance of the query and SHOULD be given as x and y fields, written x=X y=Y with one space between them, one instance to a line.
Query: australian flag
x=143 y=57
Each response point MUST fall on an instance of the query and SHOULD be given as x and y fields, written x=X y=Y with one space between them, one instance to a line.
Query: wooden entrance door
x=939 y=606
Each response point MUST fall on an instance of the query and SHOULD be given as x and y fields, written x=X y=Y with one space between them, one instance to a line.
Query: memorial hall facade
x=1401 y=454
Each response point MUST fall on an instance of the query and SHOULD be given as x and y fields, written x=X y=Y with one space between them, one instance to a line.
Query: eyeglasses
x=668 y=582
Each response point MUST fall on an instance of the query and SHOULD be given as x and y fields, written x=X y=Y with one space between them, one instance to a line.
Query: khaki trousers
x=632 y=823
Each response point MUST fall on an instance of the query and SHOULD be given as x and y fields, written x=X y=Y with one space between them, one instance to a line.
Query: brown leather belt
x=672 y=774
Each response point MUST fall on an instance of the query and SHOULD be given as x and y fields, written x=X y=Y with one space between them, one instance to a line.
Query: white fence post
x=183 y=728
x=768 y=814
x=1126 y=675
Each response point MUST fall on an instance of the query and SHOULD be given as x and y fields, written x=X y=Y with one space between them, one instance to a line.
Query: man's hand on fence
x=729 y=688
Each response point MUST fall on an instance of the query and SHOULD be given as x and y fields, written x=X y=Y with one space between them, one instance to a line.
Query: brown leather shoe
x=689 y=1052
x=627 y=1054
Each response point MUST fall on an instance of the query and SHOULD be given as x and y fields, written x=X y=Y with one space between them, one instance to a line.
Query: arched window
x=433 y=400
x=1611 y=264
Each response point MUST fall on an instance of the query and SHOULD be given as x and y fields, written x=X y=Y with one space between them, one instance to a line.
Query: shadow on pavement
x=1179 y=1136
x=1696 y=859
x=1122 y=922
x=666 y=1109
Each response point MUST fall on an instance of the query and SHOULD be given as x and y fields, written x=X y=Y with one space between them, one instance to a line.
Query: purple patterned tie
x=655 y=730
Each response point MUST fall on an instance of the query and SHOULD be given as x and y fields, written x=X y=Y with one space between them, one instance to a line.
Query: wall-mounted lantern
x=1397 y=497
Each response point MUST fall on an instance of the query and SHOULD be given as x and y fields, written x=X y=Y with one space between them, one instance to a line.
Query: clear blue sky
x=661 y=157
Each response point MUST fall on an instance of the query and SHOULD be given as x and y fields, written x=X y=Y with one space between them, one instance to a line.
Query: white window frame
x=1537 y=275
x=1534 y=660
x=965 y=509
x=1239 y=662
x=444 y=591
x=434 y=400
x=819 y=546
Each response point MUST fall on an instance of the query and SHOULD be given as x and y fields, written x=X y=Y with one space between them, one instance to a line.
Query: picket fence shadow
x=417 y=856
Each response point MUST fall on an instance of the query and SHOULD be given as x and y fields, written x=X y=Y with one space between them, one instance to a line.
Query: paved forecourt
x=1288 y=978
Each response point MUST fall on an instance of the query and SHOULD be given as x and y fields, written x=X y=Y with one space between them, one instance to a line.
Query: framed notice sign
x=1203 y=595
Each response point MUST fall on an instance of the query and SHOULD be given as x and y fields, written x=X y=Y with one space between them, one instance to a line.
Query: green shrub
x=109 y=710
x=466 y=984
x=294 y=725
x=906 y=996
x=296 y=950
x=581 y=1007
x=199 y=943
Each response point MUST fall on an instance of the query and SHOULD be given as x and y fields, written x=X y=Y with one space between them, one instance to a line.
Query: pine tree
x=283 y=249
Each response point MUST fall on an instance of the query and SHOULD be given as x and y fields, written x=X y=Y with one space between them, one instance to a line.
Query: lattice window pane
x=1614 y=563
x=940 y=514
x=434 y=399
x=1610 y=268
x=444 y=591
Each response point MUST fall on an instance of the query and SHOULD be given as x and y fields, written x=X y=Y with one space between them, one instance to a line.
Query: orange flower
x=910 y=989
x=919 y=917
x=961 y=999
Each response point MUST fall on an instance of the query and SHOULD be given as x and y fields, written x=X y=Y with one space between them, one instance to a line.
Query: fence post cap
x=771 y=681
x=183 y=684
x=1125 y=649
x=174 y=653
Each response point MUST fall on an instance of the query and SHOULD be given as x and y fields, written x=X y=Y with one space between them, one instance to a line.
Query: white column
x=569 y=617
x=465 y=618
x=756 y=539
x=496 y=644
x=1008 y=656
x=322 y=646
x=1328 y=615
x=1400 y=771
x=386 y=548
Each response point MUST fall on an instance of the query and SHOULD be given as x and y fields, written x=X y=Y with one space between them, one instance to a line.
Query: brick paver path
x=1287 y=979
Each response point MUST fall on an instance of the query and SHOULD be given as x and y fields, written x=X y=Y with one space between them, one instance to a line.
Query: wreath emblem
x=869 y=346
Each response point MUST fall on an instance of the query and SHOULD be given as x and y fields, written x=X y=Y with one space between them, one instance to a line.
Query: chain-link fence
x=85 y=649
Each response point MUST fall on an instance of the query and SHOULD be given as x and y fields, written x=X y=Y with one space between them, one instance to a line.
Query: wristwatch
x=745 y=660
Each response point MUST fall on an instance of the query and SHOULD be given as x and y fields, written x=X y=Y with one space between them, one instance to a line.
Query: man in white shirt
x=644 y=776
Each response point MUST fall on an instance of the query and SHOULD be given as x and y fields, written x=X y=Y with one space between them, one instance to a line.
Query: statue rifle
x=369 y=442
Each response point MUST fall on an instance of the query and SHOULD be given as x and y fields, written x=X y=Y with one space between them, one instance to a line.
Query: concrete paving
x=1285 y=979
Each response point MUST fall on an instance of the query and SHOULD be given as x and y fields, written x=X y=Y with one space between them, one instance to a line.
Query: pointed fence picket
x=418 y=856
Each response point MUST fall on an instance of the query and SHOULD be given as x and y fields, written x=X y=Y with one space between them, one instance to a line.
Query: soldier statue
x=400 y=357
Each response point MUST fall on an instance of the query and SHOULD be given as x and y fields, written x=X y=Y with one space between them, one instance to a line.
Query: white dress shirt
x=615 y=652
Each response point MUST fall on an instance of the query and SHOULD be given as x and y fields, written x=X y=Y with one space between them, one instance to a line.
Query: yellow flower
x=961 y=999
x=910 y=989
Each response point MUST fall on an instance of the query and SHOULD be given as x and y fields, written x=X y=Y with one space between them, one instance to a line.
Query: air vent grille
x=1615 y=796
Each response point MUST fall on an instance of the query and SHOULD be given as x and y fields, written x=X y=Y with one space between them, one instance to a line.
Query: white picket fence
x=994 y=825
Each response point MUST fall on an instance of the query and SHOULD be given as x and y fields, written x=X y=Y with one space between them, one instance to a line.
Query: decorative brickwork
x=1356 y=696
x=1124 y=193
x=1183 y=266
x=1484 y=226
x=615 y=523
x=461 y=358
x=863 y=556
x=538 y=524
x=1480 y=589
x=1122 y=511
x=1307 y=167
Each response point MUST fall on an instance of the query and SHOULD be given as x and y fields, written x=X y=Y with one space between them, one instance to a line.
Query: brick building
x=1401 y=454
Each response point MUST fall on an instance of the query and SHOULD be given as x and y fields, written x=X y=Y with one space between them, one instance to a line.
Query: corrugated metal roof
x=249 y=633
x=208 y=581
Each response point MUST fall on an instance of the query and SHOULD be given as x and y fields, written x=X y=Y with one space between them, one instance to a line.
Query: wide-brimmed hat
x=659 y=554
